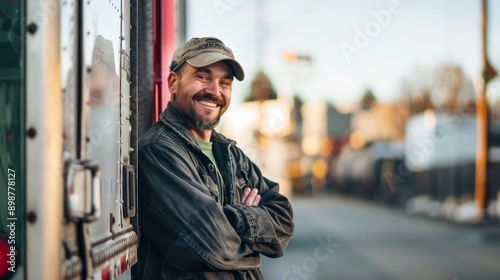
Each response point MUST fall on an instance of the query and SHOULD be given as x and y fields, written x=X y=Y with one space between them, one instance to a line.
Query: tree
x=367 y=100
x=261 y=89
x=452 y=90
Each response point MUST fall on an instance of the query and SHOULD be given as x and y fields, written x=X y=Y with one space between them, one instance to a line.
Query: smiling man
x=205 y=210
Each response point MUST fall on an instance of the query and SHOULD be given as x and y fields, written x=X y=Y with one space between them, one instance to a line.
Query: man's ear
x=173 y=81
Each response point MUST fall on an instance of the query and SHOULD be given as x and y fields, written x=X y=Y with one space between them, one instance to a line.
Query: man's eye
x=201 y=77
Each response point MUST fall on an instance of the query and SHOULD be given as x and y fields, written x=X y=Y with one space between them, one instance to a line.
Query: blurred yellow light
x=326 y=146
x=290 y=56
x=357 y=140
x=295 y=169
x=319 y=169
x=311 y=145
x=429 y=119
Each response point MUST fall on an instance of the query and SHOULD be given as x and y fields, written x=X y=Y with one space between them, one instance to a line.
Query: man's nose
x=213 y=87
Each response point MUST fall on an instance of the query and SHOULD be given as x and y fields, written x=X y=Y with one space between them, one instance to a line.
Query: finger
x=251 y=197
x=246 y=192
x=256 y=200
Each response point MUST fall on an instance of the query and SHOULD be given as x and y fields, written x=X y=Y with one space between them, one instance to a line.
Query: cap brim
x=206 y=59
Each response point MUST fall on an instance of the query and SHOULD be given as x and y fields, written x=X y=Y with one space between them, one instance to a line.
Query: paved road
x=345 y=238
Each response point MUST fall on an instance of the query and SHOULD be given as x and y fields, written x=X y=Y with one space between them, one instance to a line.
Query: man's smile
x=207 y=103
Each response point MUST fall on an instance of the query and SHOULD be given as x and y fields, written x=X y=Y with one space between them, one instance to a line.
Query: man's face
x=202 y=94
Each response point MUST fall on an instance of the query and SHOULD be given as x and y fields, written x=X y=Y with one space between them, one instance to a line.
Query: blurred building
x=440 y=154
x=322 y=133
x=381 y=122
x=373 y=148
x=262 y=130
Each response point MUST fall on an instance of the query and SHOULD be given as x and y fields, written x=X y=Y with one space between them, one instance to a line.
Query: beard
x=193 y=118
x=200 y=124
x=197 y=121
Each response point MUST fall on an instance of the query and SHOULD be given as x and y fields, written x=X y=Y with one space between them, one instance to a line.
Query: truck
x=80 y=81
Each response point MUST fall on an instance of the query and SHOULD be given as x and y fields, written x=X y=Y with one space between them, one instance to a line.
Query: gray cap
x=201 y=52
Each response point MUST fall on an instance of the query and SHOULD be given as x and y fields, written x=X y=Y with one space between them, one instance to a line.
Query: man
x=205 y=210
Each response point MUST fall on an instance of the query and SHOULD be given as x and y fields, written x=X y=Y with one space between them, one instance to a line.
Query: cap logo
x=214 y=44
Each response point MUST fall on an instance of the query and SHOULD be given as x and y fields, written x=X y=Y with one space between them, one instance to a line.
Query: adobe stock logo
x=363 y=37
x=222 y=7
x=325 y=249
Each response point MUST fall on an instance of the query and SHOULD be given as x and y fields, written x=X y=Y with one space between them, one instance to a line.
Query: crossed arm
x=183 y=217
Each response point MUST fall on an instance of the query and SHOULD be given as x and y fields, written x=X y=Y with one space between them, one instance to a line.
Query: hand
x=251 y=197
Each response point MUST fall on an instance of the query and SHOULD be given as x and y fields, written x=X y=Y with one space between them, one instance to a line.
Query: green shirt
x=206 y=147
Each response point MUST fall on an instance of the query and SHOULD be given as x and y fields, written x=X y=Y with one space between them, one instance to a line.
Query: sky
x=353 y=45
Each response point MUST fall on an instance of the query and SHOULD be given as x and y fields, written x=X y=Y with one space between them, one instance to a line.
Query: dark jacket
x=185 y=232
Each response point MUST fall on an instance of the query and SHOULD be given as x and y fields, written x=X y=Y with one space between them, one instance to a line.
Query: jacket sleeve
x=268 y=227
x=178 y=214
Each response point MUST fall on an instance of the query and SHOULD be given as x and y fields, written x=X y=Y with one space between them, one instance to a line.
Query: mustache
x=209 y=97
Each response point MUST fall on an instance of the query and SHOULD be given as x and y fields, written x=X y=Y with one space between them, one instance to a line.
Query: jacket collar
x=173 y=118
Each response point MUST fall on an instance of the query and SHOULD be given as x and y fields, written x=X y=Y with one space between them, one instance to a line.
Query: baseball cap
x=103 y=52
x=201 y=52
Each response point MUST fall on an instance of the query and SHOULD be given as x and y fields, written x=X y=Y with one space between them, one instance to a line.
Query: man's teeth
x=209 y=104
